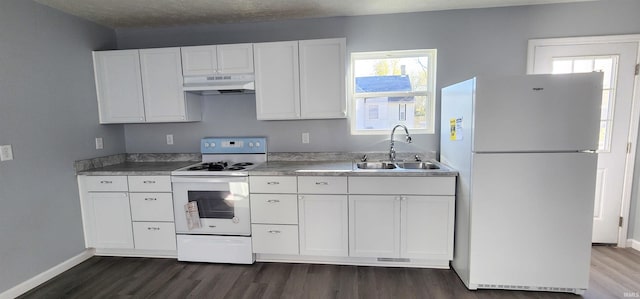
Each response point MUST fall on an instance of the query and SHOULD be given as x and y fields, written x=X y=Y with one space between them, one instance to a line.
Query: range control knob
x=250 y=144
x=257 y=144
x=235 y=219
x=213 y=144
x=206 y=144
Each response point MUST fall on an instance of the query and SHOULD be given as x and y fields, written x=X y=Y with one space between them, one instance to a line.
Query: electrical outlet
x=305 y=137
x=6 y=153
x=99 y=143
x=169 y=138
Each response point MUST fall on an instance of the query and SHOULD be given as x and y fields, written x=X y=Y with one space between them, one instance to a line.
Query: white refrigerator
x=524 y=147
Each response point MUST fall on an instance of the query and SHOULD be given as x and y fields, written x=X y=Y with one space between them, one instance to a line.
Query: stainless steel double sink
x=397 y=165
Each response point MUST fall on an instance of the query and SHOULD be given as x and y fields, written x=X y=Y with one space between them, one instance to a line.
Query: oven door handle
x=197 y=179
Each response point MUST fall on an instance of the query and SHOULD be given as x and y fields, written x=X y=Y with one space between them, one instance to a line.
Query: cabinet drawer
x=274 y=208
x=151 y=206
x=106 y=183
x=149 y=183
x=154 y=235
x=403 y=185
x=272 y=184
x=322 y=185
x=275 y=239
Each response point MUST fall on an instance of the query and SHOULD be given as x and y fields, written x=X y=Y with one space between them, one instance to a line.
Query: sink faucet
x=392 y=150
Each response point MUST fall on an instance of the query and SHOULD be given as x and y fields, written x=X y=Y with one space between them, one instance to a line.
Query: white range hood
x=219 y=84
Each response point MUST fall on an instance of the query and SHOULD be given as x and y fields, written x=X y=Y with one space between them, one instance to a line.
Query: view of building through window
x=394 y=87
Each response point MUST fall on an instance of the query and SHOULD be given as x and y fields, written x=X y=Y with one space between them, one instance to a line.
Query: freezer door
x=532 y=113
x=531 y=219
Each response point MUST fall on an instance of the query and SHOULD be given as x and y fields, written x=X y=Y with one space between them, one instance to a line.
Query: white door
x=235 y=59
x=618 y=61
x=374 y=226
x=112 y=220
x=162 y=84
x=277 y=80
x=119 y=87
x=427 y=227
x=322 y=78
x=324 y=225
x=199 y=60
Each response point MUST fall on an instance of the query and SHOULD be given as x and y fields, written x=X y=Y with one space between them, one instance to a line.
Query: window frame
x=430 y=93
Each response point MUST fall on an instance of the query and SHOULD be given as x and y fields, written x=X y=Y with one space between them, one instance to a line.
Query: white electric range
x=211 y=201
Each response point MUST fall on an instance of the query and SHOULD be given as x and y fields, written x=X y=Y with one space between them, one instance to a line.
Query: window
x=390 y=88
x=608 y=65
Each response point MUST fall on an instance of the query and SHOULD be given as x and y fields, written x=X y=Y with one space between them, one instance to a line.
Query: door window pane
x=608 y=66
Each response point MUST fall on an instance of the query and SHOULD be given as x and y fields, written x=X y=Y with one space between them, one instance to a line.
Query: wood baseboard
x=47 y=275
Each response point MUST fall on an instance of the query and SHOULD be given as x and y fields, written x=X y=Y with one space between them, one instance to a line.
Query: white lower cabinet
x=128 y=222
x=323 y=225
x=111 y=220
x=408 y=226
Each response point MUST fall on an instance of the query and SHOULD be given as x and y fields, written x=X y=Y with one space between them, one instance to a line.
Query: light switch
x=6 y=152
x=169 y=138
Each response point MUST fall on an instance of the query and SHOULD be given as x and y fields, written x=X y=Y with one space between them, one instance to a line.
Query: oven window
x=213 y=204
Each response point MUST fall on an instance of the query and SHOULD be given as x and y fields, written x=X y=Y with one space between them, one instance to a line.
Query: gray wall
x=469 y=42
x=48 y=112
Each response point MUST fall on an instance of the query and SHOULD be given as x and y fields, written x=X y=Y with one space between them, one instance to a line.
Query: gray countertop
x=137 y=168
x=338 y=164
x=341 y=168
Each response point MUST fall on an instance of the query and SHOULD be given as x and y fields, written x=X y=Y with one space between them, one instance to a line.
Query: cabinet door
x=111 y=220
x=118 y=86
x=277 y=80
x=324 y=225
x=322 y=78
x=199 y=60
x=164 y=99
x=374 y=226
x=427 y=227
x=235 y=59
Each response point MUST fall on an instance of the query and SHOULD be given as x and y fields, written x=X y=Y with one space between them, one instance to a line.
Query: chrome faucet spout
x=392 y=150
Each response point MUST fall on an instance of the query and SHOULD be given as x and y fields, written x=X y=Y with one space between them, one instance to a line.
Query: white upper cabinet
x=145 y=85
x=277 y=80
x=220 y=59
x=119 y=86
x=300 y=79
x=322 y=78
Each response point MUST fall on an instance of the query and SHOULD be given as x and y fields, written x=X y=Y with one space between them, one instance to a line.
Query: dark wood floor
x=615 y=273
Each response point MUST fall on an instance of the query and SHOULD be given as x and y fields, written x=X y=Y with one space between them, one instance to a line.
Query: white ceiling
x=155 y=13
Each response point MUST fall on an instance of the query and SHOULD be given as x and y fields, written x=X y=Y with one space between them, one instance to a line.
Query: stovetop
x=221 y=166
x=233 y=156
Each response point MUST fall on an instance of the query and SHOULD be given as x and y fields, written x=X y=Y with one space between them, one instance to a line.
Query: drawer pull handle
x=322 y=183
x=212 y=226
x=153 y=228
x=274 y=231
x=150 y=198
x=106 y=182
x=149 y=182
x=273 y=201
x=273 y=183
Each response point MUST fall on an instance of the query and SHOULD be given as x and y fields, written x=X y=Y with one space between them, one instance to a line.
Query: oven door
x=223 y=204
